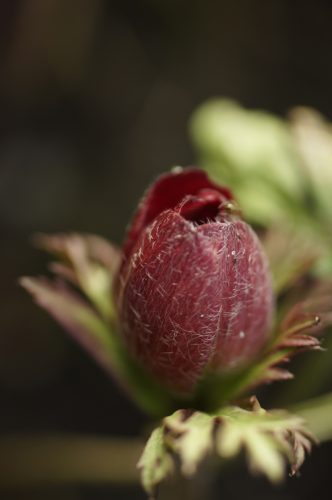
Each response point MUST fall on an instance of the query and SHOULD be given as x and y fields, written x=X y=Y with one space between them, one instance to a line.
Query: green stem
x=27 y=461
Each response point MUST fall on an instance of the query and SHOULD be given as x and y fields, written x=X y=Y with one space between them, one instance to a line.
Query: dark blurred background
x=95 y=101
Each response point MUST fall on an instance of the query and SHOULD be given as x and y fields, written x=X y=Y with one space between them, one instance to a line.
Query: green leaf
x=190 y=437
x=262 y=453
x=312 y=135
x=79 y=297
x=269 y=438
x=155 y=463
x=291 y=254
x=78 y=318
x=264 y=171
x=317 y=413
x=88 y=261
x=99 y=339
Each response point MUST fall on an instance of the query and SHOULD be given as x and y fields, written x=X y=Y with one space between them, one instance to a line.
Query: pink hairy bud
x=194 y=292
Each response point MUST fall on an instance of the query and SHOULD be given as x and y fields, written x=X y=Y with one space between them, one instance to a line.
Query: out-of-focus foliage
x=317 y=414
x=251 y=151
x=268 y=438
x=312 y=136
x=279 y=169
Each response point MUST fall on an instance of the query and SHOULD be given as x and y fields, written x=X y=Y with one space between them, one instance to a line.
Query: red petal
x=166 y=192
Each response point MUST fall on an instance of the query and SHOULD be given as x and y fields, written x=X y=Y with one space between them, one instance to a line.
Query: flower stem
x=60 y=459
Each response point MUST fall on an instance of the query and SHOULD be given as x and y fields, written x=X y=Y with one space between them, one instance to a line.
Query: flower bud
x=194 y=292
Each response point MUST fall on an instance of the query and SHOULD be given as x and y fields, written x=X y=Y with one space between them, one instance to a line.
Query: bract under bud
x=194 y=292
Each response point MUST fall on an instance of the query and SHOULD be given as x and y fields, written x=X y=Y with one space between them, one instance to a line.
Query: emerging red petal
x=168 y=190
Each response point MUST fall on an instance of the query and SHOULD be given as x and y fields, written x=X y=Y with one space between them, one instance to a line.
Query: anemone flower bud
x=194 y=292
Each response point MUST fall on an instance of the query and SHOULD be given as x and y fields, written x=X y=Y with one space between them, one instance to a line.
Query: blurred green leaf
x=270 y=439
x=78 y=317
x=155 y=463
x=317 y=413
x=100 y=340
x=252 y=152
x=194 y=440
x=88 y=261
x=312 y=136
x=79 y=297
x=291 y=255
x=263 y=455
x=29 y=461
